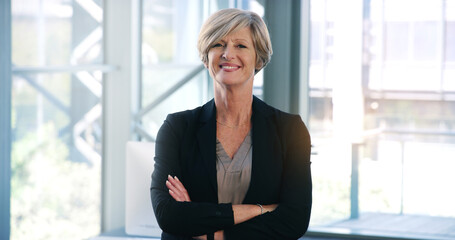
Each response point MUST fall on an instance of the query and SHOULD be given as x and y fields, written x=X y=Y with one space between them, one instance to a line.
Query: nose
x=228 y=53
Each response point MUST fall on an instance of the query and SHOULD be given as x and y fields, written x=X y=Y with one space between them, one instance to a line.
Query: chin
x=230 y=82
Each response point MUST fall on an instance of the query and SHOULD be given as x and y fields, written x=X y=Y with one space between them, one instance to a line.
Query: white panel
x=139 y=217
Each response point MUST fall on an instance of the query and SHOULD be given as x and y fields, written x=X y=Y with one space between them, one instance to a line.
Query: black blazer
x=185 y=147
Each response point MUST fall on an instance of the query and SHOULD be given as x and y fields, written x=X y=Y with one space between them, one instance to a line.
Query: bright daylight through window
x=56 y=112
x=382 y=118
x=381 y=109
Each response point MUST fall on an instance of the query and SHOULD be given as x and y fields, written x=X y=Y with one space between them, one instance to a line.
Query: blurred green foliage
x=52 y=197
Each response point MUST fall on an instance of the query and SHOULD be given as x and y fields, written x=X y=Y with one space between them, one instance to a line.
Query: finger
x=169 y=178
x=176 y=194
x=176 y=197
x=177 y=187
x=181 y=189
x=176 y=182
x=172 y=184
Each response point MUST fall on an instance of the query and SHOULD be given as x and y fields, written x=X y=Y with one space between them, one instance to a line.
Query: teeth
x=228 y=67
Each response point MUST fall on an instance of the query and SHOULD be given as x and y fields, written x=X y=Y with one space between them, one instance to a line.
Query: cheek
x=210 y=59
x=211 y=65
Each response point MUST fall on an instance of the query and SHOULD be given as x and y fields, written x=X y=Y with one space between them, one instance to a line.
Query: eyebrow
x=237 y=40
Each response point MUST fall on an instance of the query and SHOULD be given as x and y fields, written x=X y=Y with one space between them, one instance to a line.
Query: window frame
x=5 y=120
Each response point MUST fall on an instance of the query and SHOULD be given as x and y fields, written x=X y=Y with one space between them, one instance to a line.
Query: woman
x=234 y=168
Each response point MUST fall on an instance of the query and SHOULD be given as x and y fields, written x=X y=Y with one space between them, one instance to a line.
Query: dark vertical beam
x=294 y=56
x=282 y=75
x=5 y=117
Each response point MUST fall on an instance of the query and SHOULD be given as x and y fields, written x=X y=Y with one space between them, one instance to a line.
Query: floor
x=394 y=226
x=372 y=226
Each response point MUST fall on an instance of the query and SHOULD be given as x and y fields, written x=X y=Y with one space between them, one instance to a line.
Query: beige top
x=234 y=175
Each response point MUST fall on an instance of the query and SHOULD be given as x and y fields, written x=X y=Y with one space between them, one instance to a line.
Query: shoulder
x=287 y=124
x=280 y=117
x=201 y=113
x=183 y=117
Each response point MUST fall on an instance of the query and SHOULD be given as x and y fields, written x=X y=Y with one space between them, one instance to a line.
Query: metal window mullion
x=105 y=68
x=324 y=58
x=169 y=92
x=442 y=45
x=305 y=28
x=136 y=73
x=324 y=48
x=383 y=47
x=143 y=133
x=5 y=119
x=49 y=96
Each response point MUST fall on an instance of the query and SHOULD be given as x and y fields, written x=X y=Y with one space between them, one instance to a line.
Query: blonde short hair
x=226 y=21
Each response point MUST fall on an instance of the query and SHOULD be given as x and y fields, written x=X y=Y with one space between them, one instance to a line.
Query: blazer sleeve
x=181 y=218
x=291 y=218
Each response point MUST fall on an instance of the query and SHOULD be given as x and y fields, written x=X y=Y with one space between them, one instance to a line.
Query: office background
x=373 y=79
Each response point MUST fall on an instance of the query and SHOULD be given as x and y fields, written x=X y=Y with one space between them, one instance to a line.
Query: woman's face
x=232 y=60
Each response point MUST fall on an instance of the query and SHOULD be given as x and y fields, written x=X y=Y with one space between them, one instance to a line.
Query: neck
x=233 y=108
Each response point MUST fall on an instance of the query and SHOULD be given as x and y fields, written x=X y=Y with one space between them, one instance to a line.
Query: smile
x=228 y=67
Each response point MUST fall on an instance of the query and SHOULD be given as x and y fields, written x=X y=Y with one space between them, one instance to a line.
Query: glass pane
x=56 y=158
x=187 y=95
x=316 y=48
x=450 y=41
x=56 y=32
x=56 y=120
x=449 y=65
x=169 y=54
x=425 y=41
x=397 y=41
x=380 y=182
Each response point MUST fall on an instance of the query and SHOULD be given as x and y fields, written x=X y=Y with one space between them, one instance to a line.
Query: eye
x=241 y=46
x=217 y=45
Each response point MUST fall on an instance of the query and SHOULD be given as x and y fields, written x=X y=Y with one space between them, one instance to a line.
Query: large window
x=382 y=117
x=56 y=119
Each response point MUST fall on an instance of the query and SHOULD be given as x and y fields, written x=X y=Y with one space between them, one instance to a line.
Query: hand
x=269 y=208
x=177 y=190
x=219 y=235
x=203 y=237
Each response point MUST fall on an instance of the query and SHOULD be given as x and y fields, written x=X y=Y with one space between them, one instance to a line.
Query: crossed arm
x=242 y=212
x=177 y=215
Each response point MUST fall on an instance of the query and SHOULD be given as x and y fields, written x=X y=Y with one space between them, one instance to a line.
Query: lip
x=229 y=67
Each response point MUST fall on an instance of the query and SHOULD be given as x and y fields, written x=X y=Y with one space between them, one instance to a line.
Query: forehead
x=238 y=35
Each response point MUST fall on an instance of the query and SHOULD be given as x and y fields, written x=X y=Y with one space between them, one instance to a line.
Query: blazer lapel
x=206 y=137
x=261 y=144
